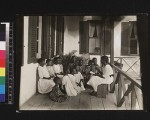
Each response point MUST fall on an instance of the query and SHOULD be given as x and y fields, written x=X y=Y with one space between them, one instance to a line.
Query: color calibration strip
x=2 y=61
x=6 y=63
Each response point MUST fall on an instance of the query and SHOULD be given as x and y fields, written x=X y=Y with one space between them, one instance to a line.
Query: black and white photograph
x=80 y=63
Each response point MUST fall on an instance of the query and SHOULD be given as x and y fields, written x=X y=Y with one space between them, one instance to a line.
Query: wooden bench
x=102 y=90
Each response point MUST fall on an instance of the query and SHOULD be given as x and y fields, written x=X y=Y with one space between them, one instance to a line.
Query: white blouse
x=43 y=72
x=57 y=68
x=107 y=71
x=50 y=70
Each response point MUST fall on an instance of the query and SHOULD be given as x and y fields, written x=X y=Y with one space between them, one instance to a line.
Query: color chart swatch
x=2 y=62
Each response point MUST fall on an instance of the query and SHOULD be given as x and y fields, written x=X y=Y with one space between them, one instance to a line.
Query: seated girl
x=106 y=78
x=69 y=84
x=95 y=67
x=57 y=69
x=60 y=64
x=56 y=94
x=81 y=66
x=45 y=82
x=50 y=69
x=78 y=78
x=72 y=63
x=86 y=74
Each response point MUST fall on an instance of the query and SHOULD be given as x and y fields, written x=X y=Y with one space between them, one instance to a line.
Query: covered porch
x=60 y=35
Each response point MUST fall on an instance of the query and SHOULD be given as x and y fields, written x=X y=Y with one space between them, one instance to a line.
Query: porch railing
x=123 y=59
x=123 y=90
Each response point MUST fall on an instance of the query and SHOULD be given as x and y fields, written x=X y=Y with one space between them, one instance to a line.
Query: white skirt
x=96 y=80
x=45 y=85
x=71 y=91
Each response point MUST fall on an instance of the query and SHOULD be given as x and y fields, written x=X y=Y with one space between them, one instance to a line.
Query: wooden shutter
x=46 y=40
x=125 y=38
x=32 y=41
x=59 y=35
x=83 y=37
x=52 y=35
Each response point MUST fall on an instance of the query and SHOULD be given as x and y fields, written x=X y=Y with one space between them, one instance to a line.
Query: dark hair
x=56 y=79
x=105 y=58
x=80 y=60
x=48 y=60
x=55 y=59
x=73 y=68
x=94 y=58
x=72 y=59
x=40 y=60
x=59 y=57
x=90 y=62
x=66 y=70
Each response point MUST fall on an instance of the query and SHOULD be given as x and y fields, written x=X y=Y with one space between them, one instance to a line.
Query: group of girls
x=63 y=82
x=57 y=81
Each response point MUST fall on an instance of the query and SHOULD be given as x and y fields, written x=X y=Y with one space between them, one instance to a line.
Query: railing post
x=139 y=97
x=119 y=90
x=112 y=85
x=133 y=98
x=120 y=60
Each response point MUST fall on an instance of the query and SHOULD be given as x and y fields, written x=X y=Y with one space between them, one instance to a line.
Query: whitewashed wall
x=28 y=71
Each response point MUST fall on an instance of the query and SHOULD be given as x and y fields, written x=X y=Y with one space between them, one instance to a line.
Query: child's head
x=66 y=71
x=77 y=68
x=57 y=81
x=74 y=71
x=90 y=62
x=104 y=60
x=41 y=62
x=56 y=60
x=77 y=62
x=73 y=59
x=94 y=60
x=49 y=62
x=81 y=62
x=59 y=60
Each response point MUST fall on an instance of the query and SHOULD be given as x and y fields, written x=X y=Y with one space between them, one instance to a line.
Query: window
x=95 y=37
x=129 y=38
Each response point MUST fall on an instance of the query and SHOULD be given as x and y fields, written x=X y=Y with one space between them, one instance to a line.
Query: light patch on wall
x=28 y=82
x=71 y=34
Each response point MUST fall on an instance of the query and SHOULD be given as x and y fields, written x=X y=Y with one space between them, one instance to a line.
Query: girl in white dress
x=50 y=69
x=78 y=78
x=106 y=78
x=45 y=83
x=58 y=70
x=67 y=84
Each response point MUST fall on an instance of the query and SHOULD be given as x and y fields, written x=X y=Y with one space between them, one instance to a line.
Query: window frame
x=129 y=41
x=102 y=42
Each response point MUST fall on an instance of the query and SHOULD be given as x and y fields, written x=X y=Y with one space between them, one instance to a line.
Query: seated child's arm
x=61 y=73
x=99 y=75
x=47 y=78
x=63 y=90
x=79 y=84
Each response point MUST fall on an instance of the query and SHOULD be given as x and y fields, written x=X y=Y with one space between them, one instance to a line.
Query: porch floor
x=82 y=101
